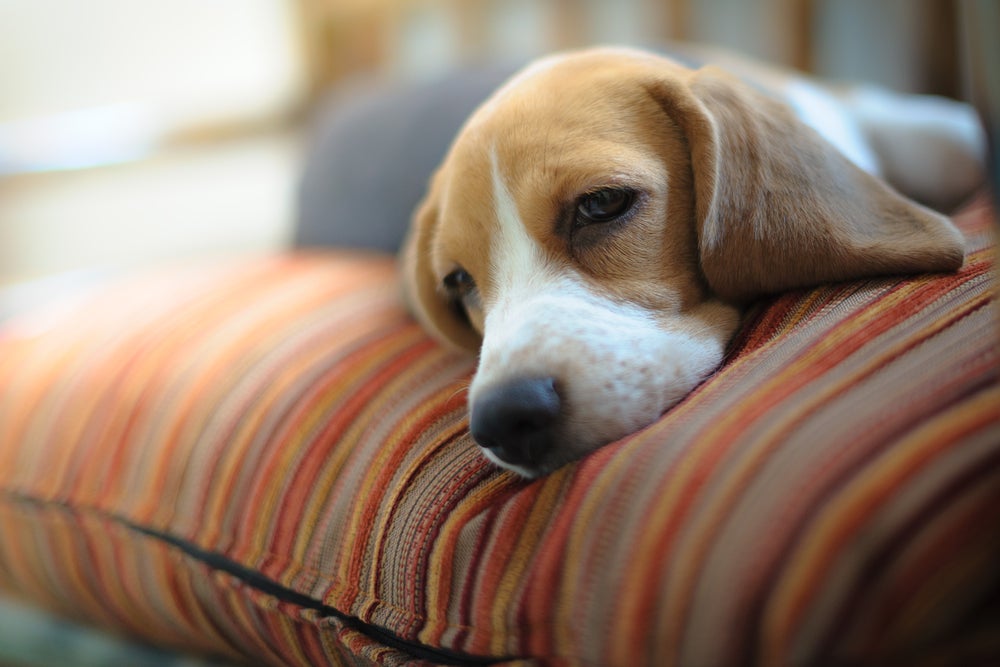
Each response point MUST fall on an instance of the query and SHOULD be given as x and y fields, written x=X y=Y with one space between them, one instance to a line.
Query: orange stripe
x=842 y=517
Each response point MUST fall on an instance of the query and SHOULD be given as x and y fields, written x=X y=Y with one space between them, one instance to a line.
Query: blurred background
x=138 y=131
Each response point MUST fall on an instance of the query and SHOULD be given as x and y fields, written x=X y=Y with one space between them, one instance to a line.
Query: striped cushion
x=267 y=458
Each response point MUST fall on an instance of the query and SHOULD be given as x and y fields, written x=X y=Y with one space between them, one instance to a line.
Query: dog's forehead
x=563 y=86
x=559 y=128
x=577 y=72
x=567 y=113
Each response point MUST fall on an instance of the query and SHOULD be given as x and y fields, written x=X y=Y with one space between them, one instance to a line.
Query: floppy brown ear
x=420 y=284
x=778 y=207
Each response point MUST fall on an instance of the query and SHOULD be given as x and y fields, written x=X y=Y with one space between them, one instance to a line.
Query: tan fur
x=422 y=284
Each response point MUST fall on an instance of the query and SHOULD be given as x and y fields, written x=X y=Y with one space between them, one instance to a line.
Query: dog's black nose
x=517 y=420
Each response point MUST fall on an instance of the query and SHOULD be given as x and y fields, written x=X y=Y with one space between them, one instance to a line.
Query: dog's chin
x=550 y=463
x=533 y=471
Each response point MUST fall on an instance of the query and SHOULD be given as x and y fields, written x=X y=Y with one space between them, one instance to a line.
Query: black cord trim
x=270 y=587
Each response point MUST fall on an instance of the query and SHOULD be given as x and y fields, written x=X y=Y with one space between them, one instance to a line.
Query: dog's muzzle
x=517 y=420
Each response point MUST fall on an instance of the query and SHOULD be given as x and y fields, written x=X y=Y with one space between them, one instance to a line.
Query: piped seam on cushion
x=267 y=586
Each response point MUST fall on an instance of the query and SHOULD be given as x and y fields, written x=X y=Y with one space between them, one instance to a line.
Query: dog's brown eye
x=604 y=205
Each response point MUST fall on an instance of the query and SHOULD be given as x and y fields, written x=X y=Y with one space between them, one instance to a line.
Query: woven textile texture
x=267 y=459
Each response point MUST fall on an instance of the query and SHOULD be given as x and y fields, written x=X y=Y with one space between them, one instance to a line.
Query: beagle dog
x=599 y=222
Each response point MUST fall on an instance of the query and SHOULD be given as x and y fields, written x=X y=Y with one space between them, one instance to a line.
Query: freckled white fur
x=618 y=365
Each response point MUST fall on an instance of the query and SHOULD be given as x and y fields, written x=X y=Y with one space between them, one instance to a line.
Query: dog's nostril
x=516 y=420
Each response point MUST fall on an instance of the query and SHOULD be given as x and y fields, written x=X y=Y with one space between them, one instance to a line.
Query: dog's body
x=599 y=222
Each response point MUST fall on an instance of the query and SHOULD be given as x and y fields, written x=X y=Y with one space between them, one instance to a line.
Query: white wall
x=95 y=83
x=188 y=60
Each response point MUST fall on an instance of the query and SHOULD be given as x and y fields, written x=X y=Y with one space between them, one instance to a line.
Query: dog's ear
x=421 y=288
x=777 y=207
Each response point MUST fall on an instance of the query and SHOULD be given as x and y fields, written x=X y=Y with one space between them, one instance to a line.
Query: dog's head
x=597 y=223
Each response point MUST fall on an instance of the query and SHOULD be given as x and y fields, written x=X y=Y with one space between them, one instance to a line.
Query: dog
x=599 y=224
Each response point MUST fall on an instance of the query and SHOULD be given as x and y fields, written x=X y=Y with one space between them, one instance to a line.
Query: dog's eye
x=604 y=205
x=463 y=295
x=459 y=284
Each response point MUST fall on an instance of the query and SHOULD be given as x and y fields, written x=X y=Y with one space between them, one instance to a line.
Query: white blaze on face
x=617 y=366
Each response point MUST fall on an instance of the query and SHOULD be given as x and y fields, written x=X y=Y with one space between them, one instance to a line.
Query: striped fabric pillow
x=268 y=459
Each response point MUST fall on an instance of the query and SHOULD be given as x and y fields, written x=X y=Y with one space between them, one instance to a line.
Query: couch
x=266 y=460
